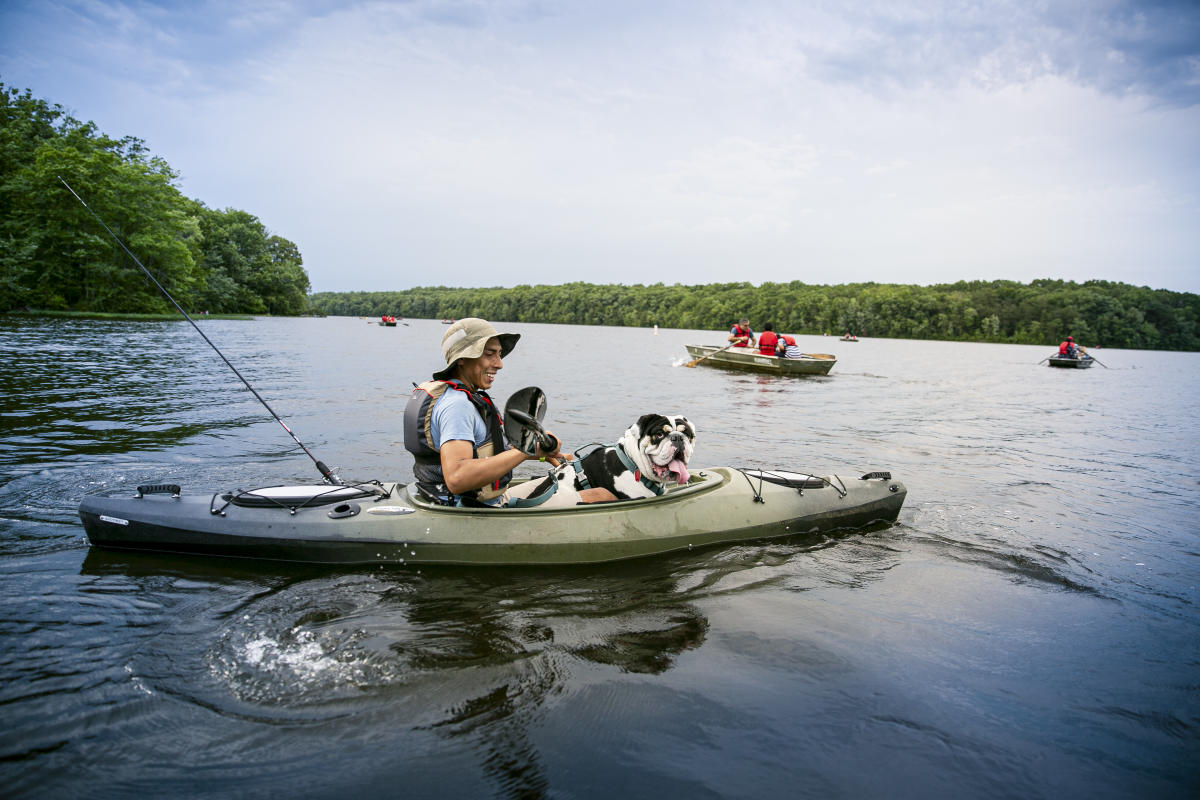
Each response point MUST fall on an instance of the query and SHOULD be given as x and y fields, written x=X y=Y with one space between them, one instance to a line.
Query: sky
x=465 y=143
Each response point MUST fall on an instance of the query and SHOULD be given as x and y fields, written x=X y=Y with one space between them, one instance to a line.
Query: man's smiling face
x=481 y=372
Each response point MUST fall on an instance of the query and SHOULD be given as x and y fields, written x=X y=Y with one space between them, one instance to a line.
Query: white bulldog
x=652 y=454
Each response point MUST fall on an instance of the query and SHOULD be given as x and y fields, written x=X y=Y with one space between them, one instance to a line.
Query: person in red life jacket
x=741 y=335
x=1068 y=348
x=786 y=347
x=767 y=340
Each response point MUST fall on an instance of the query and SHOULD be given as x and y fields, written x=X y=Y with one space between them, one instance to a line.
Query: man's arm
x=463 y=472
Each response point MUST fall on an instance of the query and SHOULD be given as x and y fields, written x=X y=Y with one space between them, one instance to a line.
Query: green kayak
x=385 y=523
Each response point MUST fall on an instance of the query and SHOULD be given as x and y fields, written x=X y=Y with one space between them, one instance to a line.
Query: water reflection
x=466 y=655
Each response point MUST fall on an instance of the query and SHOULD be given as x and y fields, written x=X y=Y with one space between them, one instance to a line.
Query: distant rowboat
x=750 y=360
x=1069 y=362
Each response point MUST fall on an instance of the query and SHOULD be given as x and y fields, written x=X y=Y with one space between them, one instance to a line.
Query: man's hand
x=555 y=458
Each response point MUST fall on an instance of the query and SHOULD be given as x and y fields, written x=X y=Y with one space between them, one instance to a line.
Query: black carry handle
x=158 y=488
x=547 y=442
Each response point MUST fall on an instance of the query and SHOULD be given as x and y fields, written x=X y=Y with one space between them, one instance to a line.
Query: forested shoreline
x=1099 y=313
x=55 y=256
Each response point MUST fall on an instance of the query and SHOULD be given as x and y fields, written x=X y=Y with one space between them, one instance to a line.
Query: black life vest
x=427 y=460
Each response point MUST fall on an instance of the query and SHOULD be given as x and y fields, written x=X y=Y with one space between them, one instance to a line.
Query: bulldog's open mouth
x=675 y=468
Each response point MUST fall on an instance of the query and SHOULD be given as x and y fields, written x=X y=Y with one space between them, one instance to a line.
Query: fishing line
x=325 y=471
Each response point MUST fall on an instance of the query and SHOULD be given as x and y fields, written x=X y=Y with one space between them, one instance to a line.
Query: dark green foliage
x=1042 y=312
x=55 y=256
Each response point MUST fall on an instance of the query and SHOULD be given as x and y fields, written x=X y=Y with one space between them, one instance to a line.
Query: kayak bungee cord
x=789 y=480
x=325 y=471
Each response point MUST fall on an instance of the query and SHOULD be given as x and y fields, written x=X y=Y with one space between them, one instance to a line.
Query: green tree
x=55 y=255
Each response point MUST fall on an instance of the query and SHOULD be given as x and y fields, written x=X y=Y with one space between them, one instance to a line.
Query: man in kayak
x=452 y=427
x=741 y=335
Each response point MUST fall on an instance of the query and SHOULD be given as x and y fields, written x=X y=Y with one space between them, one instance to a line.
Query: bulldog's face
x=661 y=447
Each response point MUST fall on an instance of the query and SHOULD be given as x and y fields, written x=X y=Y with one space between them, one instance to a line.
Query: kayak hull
x=392 y=526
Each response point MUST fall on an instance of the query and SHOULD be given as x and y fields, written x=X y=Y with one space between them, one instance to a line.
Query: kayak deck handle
x=158 y=488
x=883 y=476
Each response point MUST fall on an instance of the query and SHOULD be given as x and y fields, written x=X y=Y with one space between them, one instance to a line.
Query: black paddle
x=545 y=440
x=523 y=414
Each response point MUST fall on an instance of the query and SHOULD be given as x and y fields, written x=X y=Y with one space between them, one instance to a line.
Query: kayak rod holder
x=343 y=511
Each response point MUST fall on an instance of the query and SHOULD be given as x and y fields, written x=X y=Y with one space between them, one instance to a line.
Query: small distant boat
x=750 y=360
x=849 y=338
x=388 y=322
x=1071 y=362
x=447 y=322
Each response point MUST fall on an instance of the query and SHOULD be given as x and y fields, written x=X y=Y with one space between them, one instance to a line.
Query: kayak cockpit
x=700 y=482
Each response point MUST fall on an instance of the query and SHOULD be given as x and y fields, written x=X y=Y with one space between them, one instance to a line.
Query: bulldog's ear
x=647 y=421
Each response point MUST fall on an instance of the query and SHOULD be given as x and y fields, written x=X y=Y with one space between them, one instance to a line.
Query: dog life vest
x=418 y=440
x=588 y=472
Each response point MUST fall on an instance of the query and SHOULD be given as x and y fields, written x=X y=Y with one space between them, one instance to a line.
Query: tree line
x=55 y=256
x=1041 y=312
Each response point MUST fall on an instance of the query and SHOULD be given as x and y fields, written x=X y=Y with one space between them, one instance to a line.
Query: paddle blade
x=713 y=353
x=523 y=414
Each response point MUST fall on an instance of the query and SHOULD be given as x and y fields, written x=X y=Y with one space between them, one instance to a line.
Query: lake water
x=1029 y=628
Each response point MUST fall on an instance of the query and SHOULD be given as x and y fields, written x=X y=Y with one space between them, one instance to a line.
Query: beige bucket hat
x=467 y=338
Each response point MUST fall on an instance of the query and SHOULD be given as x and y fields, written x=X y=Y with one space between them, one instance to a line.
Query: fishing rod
x=325 y=471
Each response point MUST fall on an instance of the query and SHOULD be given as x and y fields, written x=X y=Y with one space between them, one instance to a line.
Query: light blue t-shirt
x=454 y=417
